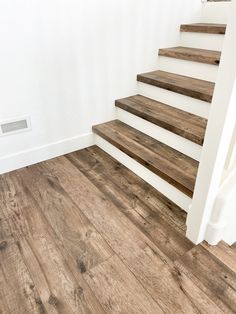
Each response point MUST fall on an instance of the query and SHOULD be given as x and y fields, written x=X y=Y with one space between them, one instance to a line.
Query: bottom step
x=169 y=171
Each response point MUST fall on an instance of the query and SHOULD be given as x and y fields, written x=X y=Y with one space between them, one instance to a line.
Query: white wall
x=64 y=62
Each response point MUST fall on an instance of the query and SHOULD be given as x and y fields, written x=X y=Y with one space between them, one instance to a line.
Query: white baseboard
x=158 y=183
x=42 y=153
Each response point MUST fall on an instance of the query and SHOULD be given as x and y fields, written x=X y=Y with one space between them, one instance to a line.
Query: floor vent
x=14 y=126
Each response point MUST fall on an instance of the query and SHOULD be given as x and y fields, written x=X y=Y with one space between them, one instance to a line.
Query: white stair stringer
x=186 y=103
x=158 y=183
x=202 y=71
x=202 y=40
x=171 y=139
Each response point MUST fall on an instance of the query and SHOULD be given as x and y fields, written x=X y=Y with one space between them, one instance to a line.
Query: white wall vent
x=15 y=126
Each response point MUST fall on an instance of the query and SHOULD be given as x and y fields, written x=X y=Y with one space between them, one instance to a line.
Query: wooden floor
x=82 y=234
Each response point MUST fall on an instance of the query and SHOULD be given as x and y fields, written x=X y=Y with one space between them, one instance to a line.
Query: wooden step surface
x=192 y=54
x=208 y=28
x=180 y=122
x=171 y=165
x=199 y=89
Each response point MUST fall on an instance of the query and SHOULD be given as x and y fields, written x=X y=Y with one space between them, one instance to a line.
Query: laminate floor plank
x=57 y=278
x=73 y=241
x=121 y=292
x=98 y=164
x=149 y=265
x=220 y=282
x=18 y=293
x=224 y=253
x=71 y=226
x=168 y=239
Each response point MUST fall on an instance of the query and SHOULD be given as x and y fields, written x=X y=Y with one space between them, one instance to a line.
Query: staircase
x=159 y=133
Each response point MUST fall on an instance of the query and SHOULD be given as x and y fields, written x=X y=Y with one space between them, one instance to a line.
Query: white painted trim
x=42 y=153
x=202 y=40
x=171 y=139
x=219 y=132
x=161 y=185
x=189 y=104
x=221 y=225
x=202 y=71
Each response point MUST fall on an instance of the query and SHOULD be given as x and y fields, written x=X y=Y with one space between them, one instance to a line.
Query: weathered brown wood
x=18 y=293
x=195 y=88
x=192 y=54
x=220 y=282
x=208 y=28
x=39 y=272
x=121 y=292
x=79 y=236
x=137 y=252
x=171 y=165
x=170 y=240
x=54 y=269
x=100 y=167
x=180 y=122
x=224 y=253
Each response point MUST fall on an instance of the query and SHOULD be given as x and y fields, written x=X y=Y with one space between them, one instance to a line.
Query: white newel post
x=218 y=138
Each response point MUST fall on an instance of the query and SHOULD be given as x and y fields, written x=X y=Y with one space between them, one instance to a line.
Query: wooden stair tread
x=182 y=123
x=199 y=89
x=171 y=165
x=209 y=28
x=192 y=54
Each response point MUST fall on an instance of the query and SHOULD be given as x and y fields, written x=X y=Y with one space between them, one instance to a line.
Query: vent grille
x=16 y=126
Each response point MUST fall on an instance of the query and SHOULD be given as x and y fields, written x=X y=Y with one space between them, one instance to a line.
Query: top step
x=207 y=28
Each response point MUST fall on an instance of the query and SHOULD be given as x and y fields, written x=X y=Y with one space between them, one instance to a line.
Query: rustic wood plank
x=192 y=54
x=171 y=165
x=209 y=28
x=56 y=275
x=18 y=293
x=211 y=275
x=188 y=86
x=180 y=122
x=95 y=162
x=161 y=232
x=139 y=254
x=121 y=292
x=71 y=226
x=224 y=253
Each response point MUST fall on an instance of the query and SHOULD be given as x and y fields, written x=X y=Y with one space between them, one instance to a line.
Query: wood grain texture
x=121 y=292
x=136 y=251
x=83 y=234
x=180 y=122
x=195 y=88
x=149 y=218
x=192 y=54
x=209 y=28
x=171 y=165
x=220 y=285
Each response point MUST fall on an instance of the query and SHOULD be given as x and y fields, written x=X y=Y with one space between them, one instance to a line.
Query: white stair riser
x=189 y=104
x=215 y=12
x=161 y=185
x=197 y=70
x=171 y=139
x=202 y=41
